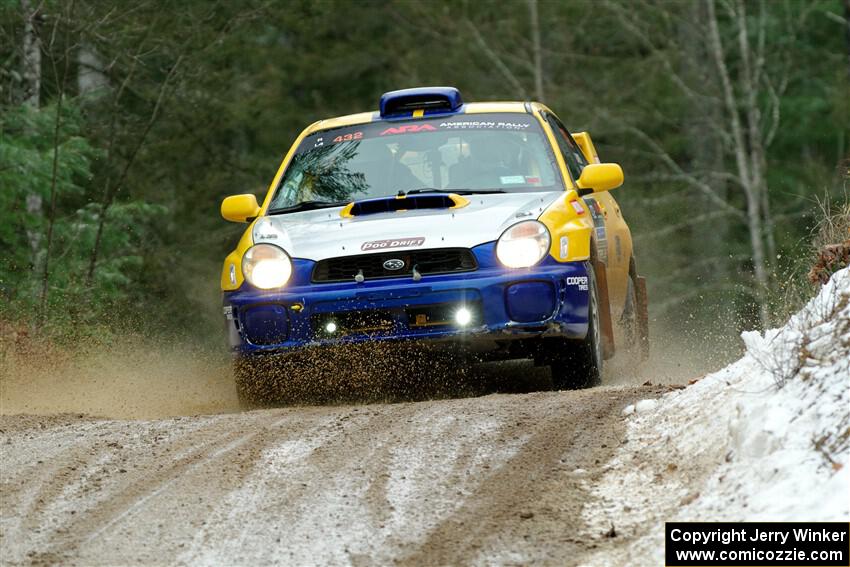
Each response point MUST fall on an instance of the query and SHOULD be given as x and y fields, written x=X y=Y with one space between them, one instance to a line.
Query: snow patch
x=644 y=406
x=766 y=438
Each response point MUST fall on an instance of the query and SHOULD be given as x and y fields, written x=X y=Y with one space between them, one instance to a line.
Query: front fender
x=231 y=271
x=571 y=227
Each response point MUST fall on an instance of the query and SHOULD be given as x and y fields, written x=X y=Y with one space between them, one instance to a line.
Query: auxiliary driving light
x=330 y=327
x=463 y=316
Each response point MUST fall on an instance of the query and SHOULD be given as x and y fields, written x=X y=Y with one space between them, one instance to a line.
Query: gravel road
x=500 y=478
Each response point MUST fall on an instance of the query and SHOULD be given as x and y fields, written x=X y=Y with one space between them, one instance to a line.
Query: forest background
x=124 y=124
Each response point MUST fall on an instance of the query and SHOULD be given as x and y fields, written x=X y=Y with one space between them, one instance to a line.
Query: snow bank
x=766 y=438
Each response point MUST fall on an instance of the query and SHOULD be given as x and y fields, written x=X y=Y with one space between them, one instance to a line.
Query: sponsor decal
x=511 y=179
x=601 y=240
x=580 y=281
x=476 y=124
x=393 y=243
x=408 y=128
x=265 y=230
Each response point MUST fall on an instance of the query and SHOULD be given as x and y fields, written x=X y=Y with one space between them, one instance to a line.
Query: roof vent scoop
x=431 y=100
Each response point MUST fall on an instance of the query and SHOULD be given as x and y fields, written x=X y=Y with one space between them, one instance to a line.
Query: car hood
x=316 y=235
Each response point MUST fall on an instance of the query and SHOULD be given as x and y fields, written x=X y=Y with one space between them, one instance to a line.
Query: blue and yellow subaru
x=485 y=225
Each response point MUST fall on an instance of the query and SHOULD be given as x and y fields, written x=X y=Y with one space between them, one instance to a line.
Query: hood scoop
x=403 y=203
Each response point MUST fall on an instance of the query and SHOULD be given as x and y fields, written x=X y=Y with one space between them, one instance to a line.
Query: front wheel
x=578 y=363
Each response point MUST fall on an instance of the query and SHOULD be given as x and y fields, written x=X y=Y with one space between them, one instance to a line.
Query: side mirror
x=240 y=208
x=598 y=177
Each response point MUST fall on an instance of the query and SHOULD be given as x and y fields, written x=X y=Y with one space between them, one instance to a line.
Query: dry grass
x=831 y=242
x=826 y=251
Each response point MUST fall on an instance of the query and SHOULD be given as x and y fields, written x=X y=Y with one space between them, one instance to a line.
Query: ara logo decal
x=580 y=281
x=408 y=128
x=395 y=243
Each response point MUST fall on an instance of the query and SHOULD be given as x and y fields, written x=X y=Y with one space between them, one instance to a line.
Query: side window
x=570 y=150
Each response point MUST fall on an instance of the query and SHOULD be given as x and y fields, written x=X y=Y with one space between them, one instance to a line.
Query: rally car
x=486 y=226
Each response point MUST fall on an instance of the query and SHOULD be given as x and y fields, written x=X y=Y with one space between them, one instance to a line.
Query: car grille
x=426 y=262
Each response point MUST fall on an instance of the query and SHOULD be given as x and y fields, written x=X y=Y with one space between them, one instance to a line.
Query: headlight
x=266 y=266
x=524 y=244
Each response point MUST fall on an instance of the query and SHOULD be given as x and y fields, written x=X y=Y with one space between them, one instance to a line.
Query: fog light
x=330 y=327
x=463 y=316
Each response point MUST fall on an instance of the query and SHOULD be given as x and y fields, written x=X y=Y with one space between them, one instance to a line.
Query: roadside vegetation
x=822 y=254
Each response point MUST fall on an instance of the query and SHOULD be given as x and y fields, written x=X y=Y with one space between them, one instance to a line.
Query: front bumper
x=550 y=299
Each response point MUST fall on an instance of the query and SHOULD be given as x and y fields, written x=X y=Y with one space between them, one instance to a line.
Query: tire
x=628 y=327
x=628 y=320
x=634 y=322
x=577 y=364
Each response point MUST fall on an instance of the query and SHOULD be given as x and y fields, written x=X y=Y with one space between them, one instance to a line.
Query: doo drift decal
x=396 y=243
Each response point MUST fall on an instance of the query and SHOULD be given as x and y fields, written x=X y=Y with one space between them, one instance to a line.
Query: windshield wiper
x=307 y=206
x=455 y=191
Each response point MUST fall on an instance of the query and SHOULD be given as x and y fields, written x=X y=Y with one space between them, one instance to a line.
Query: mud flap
x=604 y=310
x=642 y=317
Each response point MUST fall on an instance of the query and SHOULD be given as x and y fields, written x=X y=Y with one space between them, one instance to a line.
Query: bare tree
x=747 y=139
x=111 y=189
x=705 y=148
x=32 y=97
x=57 y=123
x=536 y=49
x=31 y=56
x=847 y=30
x=751 y=79
x=496 y=59
x=515 y=56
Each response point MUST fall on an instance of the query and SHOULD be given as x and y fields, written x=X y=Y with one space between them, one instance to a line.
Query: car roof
x=468 y=108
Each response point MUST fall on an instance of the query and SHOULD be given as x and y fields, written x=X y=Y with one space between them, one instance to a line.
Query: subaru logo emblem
x=393 y=264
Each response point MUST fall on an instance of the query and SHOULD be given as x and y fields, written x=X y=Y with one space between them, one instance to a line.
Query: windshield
x=504 y=152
